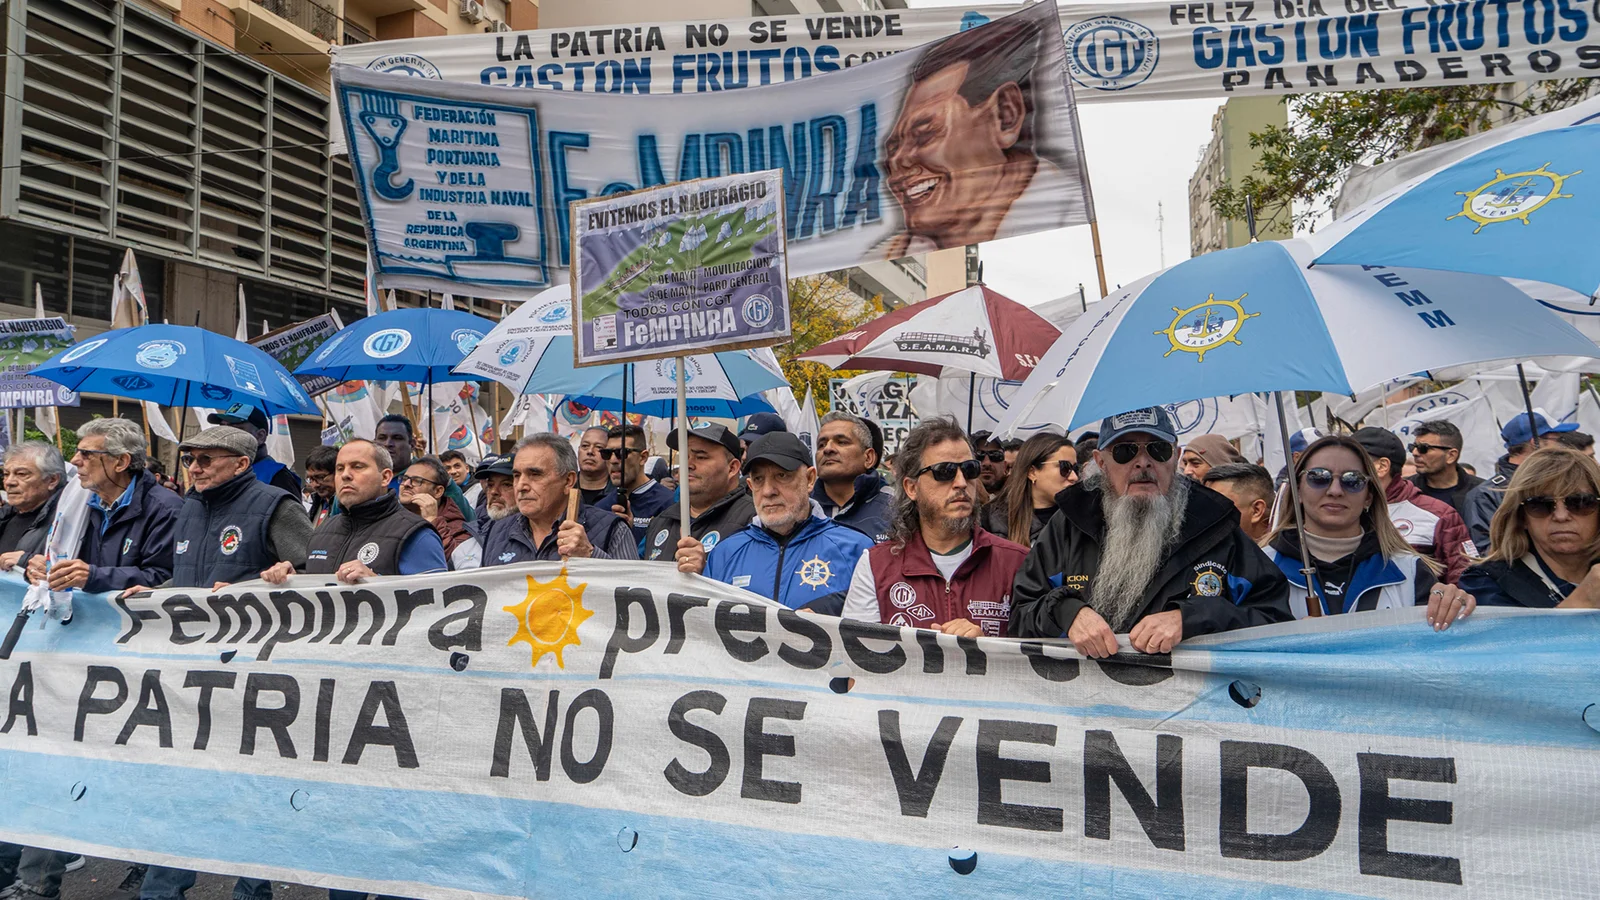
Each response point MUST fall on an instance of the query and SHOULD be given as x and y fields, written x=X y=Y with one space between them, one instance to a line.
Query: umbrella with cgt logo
x=422 y=346
x=180 y=366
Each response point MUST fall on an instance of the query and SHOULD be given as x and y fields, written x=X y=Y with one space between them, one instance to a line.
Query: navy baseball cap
x=494 y=465
x=1300 y=440
x=1152 y=420
x=1517 y=431
x=779 y=447
x=760 y=424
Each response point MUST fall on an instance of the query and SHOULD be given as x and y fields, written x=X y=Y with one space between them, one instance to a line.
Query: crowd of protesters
x=1125 y=540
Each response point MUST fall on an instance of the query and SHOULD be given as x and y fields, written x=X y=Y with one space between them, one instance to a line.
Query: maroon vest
x=912 y=593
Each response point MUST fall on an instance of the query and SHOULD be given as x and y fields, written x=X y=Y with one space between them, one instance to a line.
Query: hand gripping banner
x=621 y=730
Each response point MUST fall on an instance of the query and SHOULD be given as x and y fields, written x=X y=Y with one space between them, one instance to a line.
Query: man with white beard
x=1139 y=551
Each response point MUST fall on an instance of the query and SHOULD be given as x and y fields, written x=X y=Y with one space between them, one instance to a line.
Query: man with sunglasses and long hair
x=1137 y=550
x=939 y=569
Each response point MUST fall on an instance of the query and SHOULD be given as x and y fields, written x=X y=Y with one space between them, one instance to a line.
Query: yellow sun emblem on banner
x=548 y=618
x=1514 y=196
x=1205 y=326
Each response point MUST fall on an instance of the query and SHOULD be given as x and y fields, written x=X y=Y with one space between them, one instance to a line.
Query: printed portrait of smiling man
x=962 y=150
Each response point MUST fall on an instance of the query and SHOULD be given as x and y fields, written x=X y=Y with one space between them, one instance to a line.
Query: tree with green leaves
x=821 y=308
x=1306 y=163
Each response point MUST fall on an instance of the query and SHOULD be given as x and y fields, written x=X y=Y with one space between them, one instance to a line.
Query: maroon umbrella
x=976 y=331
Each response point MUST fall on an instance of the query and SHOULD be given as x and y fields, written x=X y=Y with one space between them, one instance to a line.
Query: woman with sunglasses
x=1546 y=536
x=1046 y=465
x=1361 y=561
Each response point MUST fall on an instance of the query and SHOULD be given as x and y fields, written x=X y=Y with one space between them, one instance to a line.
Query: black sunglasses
x=1420 y=447
x=1066 y=466
x=993 y=456
x=946 y=471
x=1160 y=451
x=1321 y=479
x=1576 y=504
x=618 y=452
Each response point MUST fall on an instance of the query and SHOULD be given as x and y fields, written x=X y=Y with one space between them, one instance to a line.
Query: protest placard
x=691 y=267
x=24 y=344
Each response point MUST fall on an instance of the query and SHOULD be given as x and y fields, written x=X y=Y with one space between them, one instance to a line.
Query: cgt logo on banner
x=623 y=730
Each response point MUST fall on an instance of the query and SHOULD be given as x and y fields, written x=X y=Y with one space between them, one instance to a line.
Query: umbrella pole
x=684 y=529
x=431 y=413
x=1527 y=404
x=183 y=422
x=1313 y=597
x=972 y=390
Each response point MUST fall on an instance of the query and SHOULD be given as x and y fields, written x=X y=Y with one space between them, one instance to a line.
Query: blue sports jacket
x=817 y=560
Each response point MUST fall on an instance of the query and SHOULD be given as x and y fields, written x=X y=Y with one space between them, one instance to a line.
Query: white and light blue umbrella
x=177 y=365
x=1256 y=319
x=530 y=352
x=1524 y=202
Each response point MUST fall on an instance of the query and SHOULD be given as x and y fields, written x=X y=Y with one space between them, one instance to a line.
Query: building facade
x=1226 y=160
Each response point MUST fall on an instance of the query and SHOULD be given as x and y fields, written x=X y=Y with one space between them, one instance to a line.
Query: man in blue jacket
x=130 y=538
x=791 y=553
x=849 y=488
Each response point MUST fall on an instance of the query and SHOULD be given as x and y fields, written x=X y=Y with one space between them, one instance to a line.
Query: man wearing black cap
x=1137 y=550
x=758 y=425
x=247 y=418
x=1432 y=526
x=718 y=504
x=498 y=501
x=791 y=553
x=849 y=488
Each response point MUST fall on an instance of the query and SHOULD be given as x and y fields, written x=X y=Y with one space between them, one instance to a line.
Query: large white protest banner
x=1116 y=50
x=621 y=730
x=465 y=188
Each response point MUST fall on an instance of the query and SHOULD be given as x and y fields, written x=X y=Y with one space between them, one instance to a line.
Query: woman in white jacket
x=1361 y=562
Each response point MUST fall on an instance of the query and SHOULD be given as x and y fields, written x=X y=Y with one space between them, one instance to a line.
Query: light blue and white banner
x=1118 y=50
x=467 y=187
x=625 y=731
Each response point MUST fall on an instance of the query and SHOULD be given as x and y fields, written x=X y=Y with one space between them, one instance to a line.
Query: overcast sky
x=1139 y=153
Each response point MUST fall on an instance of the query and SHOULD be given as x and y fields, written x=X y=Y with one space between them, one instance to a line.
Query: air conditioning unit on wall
x=497 y=25
x=472 y=10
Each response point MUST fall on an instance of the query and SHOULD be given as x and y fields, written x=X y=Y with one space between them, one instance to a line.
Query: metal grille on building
x=120 y=126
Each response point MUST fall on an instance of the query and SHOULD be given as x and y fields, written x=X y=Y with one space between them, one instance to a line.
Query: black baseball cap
x=494 y=465
x=1381 y=443
x=779 y=447
x=713 y=432
x=760 y=424
x=238 y=414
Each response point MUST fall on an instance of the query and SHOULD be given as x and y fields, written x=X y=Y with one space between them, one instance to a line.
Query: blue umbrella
x=1255 y=319
x=417 y=345
x=177 y=365
x=1524 y=204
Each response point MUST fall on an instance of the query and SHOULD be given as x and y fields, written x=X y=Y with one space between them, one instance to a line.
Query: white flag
x=808 y=428
x=1464 y=406
x=128 y=307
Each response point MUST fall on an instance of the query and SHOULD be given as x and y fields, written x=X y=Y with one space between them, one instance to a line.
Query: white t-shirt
x=861 y=601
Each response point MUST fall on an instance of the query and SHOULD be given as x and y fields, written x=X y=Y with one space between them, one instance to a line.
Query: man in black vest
x=231 y=526
x=373 y=534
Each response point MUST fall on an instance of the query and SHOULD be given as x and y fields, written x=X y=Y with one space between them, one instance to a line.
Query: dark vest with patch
x=372 y=532
x=222 y=534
